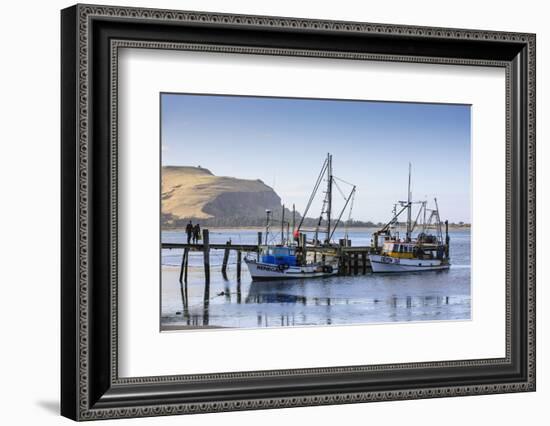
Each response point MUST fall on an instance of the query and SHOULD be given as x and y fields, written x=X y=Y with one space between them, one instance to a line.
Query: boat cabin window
x=280 y=251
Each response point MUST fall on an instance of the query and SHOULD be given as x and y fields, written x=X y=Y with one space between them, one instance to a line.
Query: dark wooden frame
x=90 y=386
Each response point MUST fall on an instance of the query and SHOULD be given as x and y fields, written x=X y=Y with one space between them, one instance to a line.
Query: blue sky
x=284 y=141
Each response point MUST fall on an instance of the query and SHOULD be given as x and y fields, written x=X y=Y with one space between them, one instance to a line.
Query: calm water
x=359 y=299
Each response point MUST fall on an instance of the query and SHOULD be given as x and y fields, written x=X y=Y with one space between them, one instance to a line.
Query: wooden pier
x=205 y=247
x=351 y=260
x=200 y=246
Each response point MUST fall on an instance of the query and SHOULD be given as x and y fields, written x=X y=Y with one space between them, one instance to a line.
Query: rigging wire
x=343 y=181
x=312 y=196
x=349 y=215
x=340 y=190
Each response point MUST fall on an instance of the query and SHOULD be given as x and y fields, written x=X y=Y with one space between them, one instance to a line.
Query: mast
x=283 y=226
x=438 y=228
x=409 y=207
x=424 y=221
x=288 y=234
x=267 y=212
x=293 y=218
x=447 y=239
x=329 y=194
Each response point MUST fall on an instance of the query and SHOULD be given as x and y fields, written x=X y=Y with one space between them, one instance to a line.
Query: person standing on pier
x=189 y=231
x=196 y=233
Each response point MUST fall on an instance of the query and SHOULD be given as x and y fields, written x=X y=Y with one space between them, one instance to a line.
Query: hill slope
x=196 y=193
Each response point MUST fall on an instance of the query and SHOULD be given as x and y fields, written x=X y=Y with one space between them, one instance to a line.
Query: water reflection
x=284 y=304
x=273 y=293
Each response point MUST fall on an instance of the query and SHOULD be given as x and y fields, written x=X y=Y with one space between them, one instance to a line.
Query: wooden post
x=364 y=260
x=350 y=263
x=239 y=261
x=259 y=244
x=238 y=292
x=184 y=264
x=183 y=274
x=206 y=307
x=355 y=263
x=225 y=259
x=206 y=255
x=303 y=246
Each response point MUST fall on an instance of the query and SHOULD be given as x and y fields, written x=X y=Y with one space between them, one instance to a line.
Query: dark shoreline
x=175 y=327
x=261 y=228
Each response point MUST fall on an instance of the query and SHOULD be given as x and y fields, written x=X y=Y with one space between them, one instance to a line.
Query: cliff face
x=194 y=192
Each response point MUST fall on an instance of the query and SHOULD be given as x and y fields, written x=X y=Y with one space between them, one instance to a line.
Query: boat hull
x=268 y=272
x=381 y=263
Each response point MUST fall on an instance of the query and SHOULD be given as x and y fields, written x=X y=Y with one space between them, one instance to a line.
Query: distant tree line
x=170 y=221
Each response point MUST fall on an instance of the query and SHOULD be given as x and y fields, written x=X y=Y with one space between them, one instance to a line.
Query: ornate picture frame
x=91 y=37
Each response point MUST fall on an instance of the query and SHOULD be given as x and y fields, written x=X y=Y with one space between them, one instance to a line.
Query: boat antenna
x=439 y=231
x=293 y=219
x=424 y=221
x=288 y=234
x=283 y=226
x=422 y=207
x=409 y=207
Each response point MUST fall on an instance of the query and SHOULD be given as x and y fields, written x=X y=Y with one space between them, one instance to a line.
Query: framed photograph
x=263 y=212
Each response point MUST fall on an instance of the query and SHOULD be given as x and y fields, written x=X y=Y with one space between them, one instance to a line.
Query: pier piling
x=225 y=259
x=259 y=244
x=355 y=263
x=364 y=261
x=239 y=261
x=182 y=264
x=303 y=246
x=206 y=255
x=344 y=264
x=186 y=266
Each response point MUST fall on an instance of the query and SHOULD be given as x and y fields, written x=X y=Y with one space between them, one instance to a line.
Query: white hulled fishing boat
x=427 y=252
x=282 y=263
x=290 y=258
